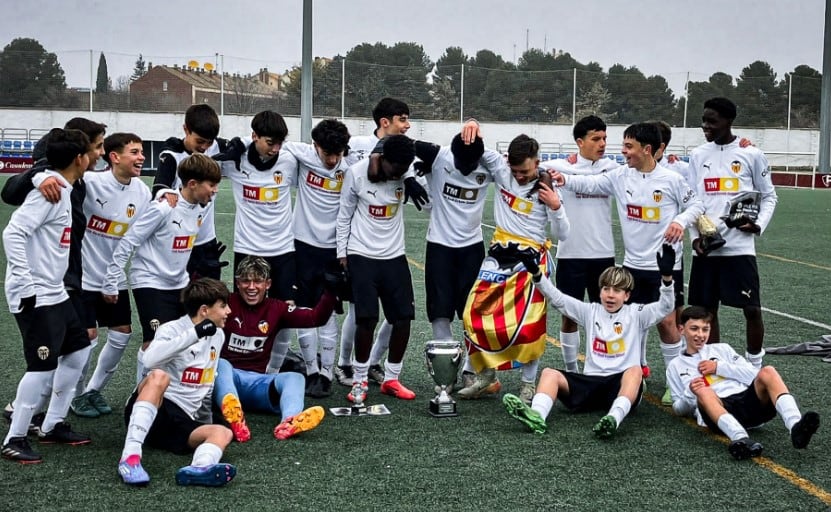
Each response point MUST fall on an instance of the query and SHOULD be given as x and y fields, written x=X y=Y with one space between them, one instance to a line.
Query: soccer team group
x=341 y=247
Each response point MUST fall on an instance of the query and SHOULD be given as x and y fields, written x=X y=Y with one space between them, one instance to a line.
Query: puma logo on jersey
x=247 y=173
x=706 y=166
x=100 y=202
x=177 y=222
x=372 y=192
x=238 y=320
x=746 y=293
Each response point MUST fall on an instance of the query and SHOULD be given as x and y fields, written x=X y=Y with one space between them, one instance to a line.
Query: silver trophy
x=443 y=360
x=742 y=209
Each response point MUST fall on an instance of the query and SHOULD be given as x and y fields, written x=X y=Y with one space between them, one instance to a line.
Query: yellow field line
x=788 y=260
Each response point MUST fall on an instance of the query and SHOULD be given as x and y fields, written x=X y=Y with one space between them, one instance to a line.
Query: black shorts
x=156 y=307
x=746 y=408
x=283 y=274
x=729 y=280
x=449 y=274
x=575 y=277
x=311 y=263
x=387 y=280
x=170 y=430
x=593 y=392
x=648 y=286
x=98 y=313
x=49 y=332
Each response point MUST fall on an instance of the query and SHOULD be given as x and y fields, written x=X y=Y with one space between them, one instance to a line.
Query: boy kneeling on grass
x=612 y=378
x=166 y=409
x=727 y=393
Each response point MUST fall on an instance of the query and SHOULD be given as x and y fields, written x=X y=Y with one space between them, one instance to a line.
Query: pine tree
x=139 y=70
x=102 y=82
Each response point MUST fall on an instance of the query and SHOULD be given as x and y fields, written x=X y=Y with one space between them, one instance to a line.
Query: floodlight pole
x=306 y=75
x=825 y=98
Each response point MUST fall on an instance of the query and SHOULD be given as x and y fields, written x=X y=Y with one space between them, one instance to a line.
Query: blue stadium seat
x=545 y=156
x=27 y=145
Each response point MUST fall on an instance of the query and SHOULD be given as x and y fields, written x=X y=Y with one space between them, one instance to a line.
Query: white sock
x=206 y=454
x=755 y=359
x=307 y=339
x=347 y=336
x=529 y=371
x=108 y=360
x=141 y=371
x=787 y=409
x=731 y=427
x=382 y=343
x=79 y=387
x=441 y=329
x=570 y=342
x=392 y=371
x=141 y=419
x=620 y=408
x=279 y=350
x=359 y=371
x=468 y=367
x=63 y=386
x=542 y=403
x=327 y=335
x=26 y=402
x=670 y=351
x=643 y=348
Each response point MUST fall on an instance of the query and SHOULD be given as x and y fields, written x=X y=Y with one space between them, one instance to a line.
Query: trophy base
x=442 y=409
x=360 y=410
x=712 y=243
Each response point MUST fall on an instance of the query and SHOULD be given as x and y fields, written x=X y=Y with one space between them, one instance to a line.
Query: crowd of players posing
x=69 y=242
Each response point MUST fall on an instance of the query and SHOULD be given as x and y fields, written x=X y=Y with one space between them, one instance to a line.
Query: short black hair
x=399 y=150
x=587 y=124
x=646 y=133
x=332 y=136
x=202 y=120
x=117 y=141
x=388 y=108
x=522 y=148
x=62 y=146
x=270 y=124
x=466 y=156
x=203 y=292
x=664 y=129
x=694 y=313
x=723 y=106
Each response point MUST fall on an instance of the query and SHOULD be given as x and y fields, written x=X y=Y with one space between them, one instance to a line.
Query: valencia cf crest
x=618 y=327
x=480 y=178
x=399 y=193
x=199 y=221
x=131 y=210
x=213 y=353
x=263 y=326
x=154 y=324
x=278 y=177
x=339 y=175
x=43 y=353
x=657 y=195
x=736 y=166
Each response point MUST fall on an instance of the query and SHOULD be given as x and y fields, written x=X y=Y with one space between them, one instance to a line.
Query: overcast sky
x=666 y=37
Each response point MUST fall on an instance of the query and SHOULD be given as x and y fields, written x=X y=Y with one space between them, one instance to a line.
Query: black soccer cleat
x=18 y=449
x=745 y=448
x=804 y=429
x=63 y=434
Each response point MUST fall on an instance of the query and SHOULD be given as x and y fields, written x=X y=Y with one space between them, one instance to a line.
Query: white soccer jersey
x=590 y=215
x=318 y=196
x=36 y=242
x=517 y=210
x=733 y=375
x=190 y=362
x=458 y=202
x=111 y=208
x=262 y=194
x=360 y=146
x=647 y=203
x=721 y=172
x=682 y=168
x=162 y=238
x=209 y=233
x=370 y=219
x=615 y=338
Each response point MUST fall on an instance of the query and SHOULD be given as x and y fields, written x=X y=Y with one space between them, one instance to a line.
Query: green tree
x=634 y=97
x=30 y=76
x=139 y=69
x=805 y=96
x=760 y=98
x=718 y=85
x=102 y=80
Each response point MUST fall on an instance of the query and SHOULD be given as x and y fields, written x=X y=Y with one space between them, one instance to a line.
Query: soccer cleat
x=467 y=379
x=395 y=388
x=744 y=448
x=804 y=429
x=95 y=399
x=484 y=384
x=302 y=422
x=526 y=392
x=131 y=471
x=83 y=408
x=311 y=384
x=320 y=387
x=18 y=449
x=214 y=475
x=645 y=371
x=358 y=392
x=63 y=434
x=232 y=412
x=667 y=398
x=376 y=374
x=529 y=417
x=606 y=427
x=343 y=374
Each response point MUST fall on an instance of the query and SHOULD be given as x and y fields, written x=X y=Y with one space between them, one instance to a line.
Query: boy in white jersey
x=160 y=242
x=55 y=345
x=655 y=205
x=612 y=378
x=201 y=129
x=729 y=275
x=727 y=394
x=591 y=247
x=167 y=409
x=114 y=200
x=370 y=245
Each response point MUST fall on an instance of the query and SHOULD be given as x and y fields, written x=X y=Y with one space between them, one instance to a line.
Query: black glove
x=530 y=258
x=28 y=303
x=205 y=328
x=421 y=168
x=504 y=254
x=413 y=190
x=233 y=152
x=748 y=226
x=204 y=260
x=666 y=260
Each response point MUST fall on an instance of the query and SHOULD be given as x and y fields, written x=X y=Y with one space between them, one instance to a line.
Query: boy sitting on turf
x=612 y=378
x=727 y=393
x=167 y=408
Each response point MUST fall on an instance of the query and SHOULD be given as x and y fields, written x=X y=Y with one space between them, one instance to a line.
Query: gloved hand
x=504 y=253
x=205 y=328
x=28 y=303
x=233 y=152
x=530 y=258
x=413 y=190
x=204 y=260
x=666 y=260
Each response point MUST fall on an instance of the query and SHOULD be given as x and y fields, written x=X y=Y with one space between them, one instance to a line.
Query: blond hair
x=617 y=277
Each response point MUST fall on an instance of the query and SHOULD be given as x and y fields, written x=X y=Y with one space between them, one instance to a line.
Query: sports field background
x=483 y=459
